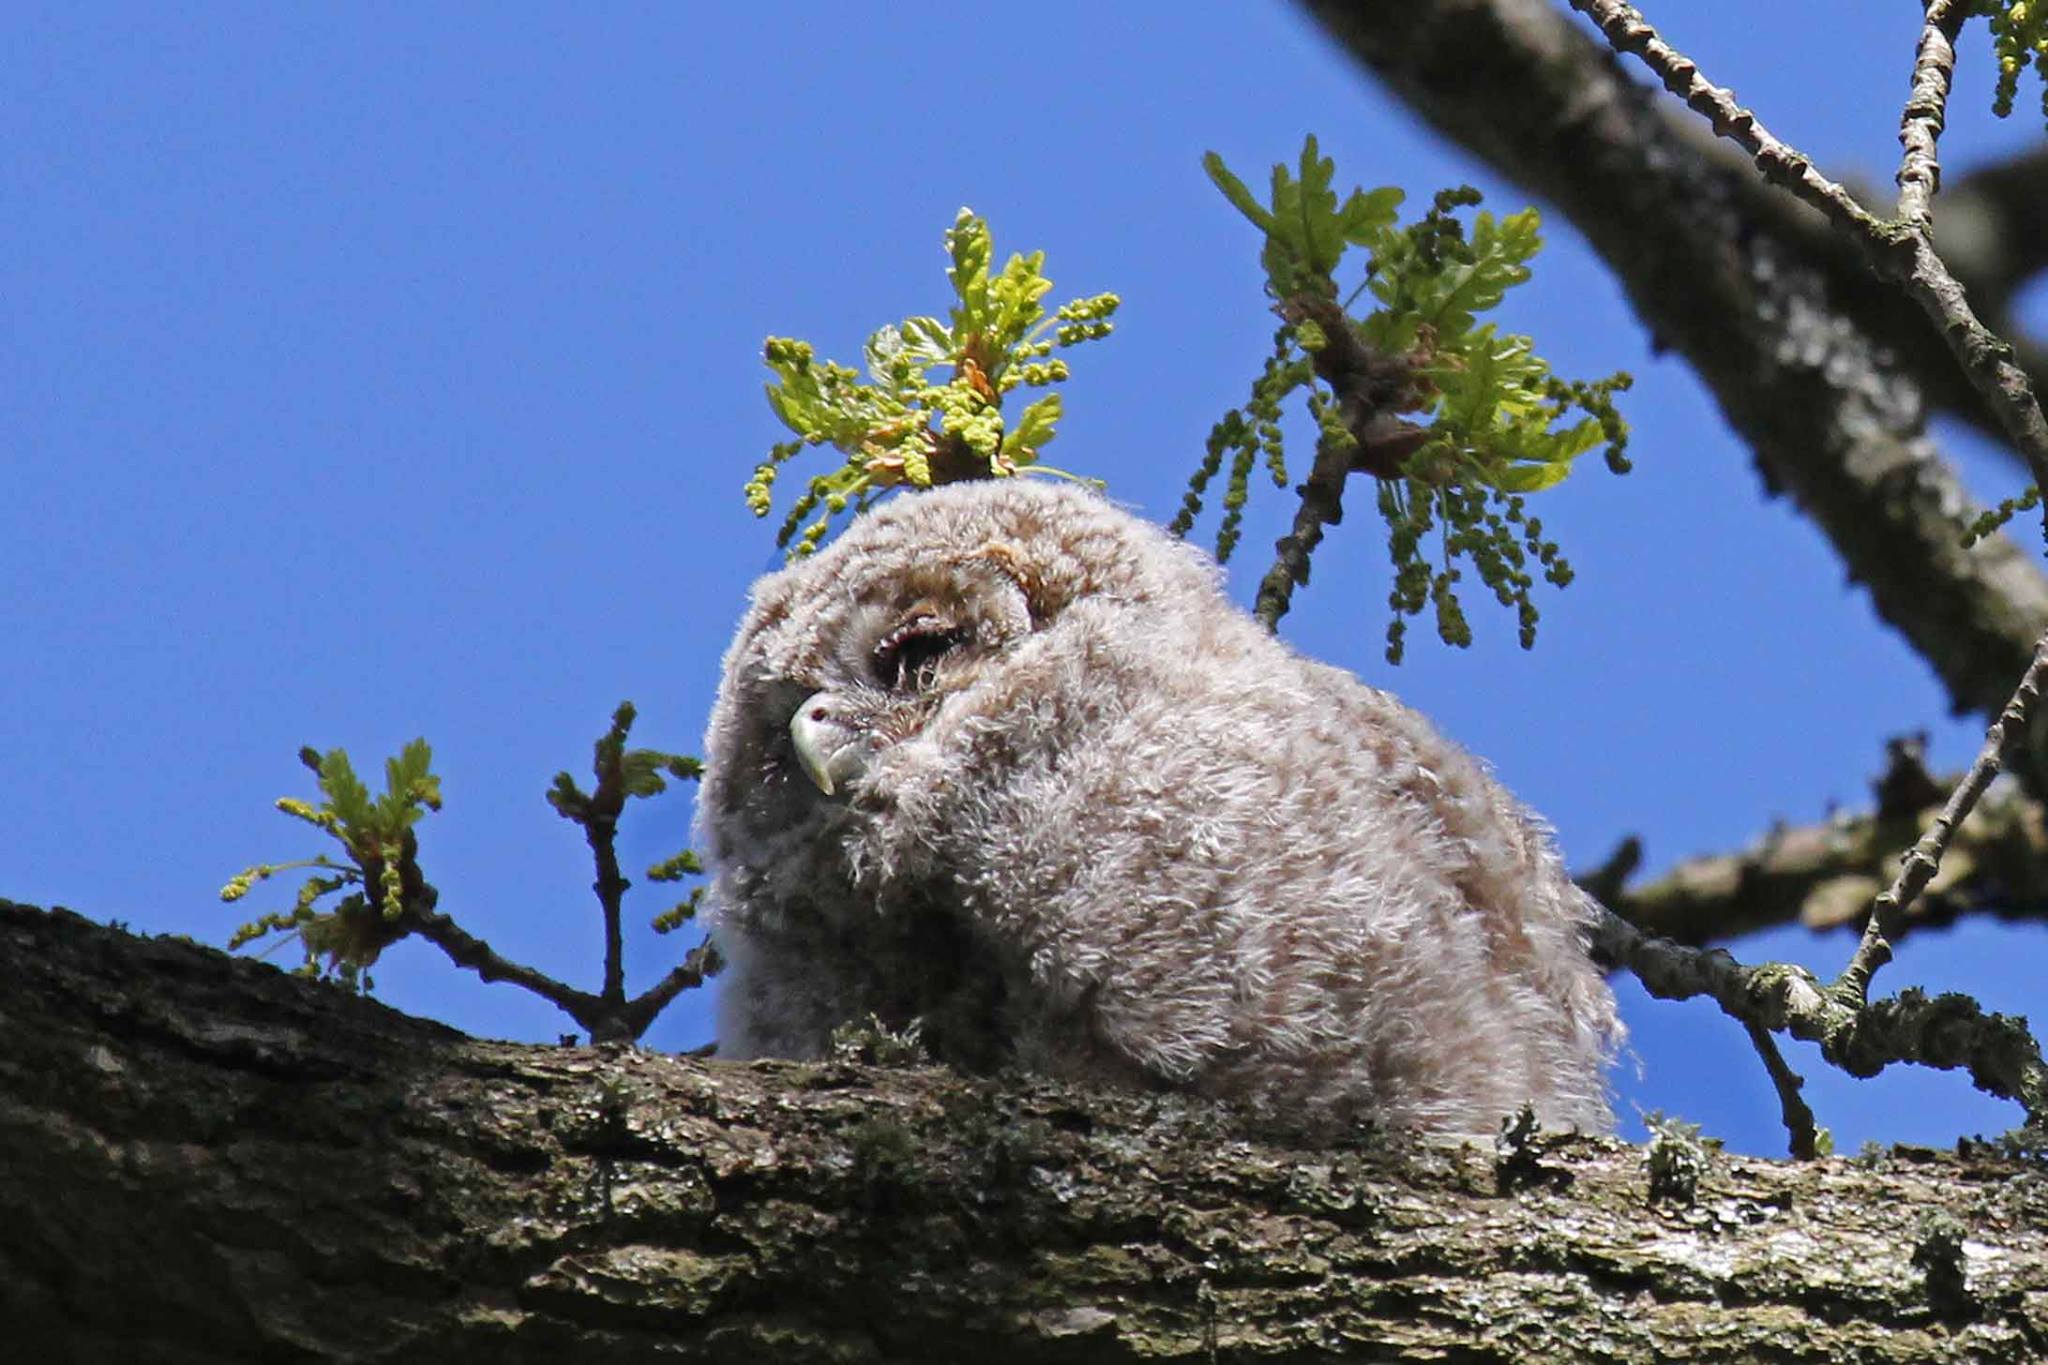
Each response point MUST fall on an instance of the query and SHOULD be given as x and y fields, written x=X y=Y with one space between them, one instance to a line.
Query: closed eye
x=908 y=657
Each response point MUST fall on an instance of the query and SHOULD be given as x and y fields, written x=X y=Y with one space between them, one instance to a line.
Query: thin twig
x=1802 y=1134
x=467 y=950
x=1627 y=31
x=1926 y=111
x=1923 y=860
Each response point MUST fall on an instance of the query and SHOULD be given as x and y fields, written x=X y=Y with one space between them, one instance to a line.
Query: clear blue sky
x=384 y=370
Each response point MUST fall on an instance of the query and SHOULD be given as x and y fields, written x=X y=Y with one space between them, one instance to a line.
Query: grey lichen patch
x=1518 y=1156
x=1074 y=1322
x=663 y=1282
x=1677 y=1158
x=870 y=1042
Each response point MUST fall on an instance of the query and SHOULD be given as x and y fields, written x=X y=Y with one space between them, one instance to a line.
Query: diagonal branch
x=1802 y=1132
x=465 y=949
x=1923 y=860
x=1948 y=1030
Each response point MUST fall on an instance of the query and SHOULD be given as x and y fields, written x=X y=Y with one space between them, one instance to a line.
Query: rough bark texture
x=1804 y=373
x=203 y=1159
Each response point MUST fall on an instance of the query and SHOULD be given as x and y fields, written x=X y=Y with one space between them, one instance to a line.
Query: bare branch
x=1921 y=121
x=700 y=962
x=1826 y=875
x=467 y=950
x=1802 y=1132
x=1627 y=31
x=1923 y=860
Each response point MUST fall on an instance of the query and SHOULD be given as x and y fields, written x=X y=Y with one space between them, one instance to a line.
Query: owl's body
x=1087 y=816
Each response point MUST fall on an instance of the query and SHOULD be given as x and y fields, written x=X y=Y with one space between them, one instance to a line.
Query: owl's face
x=926 y=612
x=906 y=646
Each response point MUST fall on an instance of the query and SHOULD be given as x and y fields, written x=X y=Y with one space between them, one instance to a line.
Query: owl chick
x=1004 y=759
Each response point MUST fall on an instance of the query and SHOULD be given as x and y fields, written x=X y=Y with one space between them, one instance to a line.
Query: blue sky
x=383 y=370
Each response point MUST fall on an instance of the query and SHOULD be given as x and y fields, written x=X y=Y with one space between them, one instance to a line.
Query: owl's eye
x=908 y=656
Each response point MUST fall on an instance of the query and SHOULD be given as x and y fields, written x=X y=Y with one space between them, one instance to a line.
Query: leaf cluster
x=380 y=852
x=1458 y=420
x=929 y=407
x=2019 y=39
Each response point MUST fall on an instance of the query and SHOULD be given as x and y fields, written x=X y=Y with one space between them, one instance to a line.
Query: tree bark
x=205 y=1159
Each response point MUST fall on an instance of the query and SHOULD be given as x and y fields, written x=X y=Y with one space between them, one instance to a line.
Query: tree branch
x=1990 y=232
x=1920 y=123
x=1826 y=875
x=1947 y=1032
x=465 y=949
x=1831 y=417
x=203 y=1159
x=1802 y=1133
x=1923 y=860
x=1344 y=365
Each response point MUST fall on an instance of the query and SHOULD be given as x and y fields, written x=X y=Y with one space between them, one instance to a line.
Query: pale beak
x=829 y=751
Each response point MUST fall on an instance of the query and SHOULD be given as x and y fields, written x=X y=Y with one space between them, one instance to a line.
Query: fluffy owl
x=1005 y=760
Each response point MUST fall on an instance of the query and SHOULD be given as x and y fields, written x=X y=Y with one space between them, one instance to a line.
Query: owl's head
x=848 y=656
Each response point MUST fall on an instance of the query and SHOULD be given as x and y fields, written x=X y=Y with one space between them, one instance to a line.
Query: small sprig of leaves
x=2019 y=39
x=392 y=898
x=930 y=409
x=1992 y=520
x=1458 y=420
x=381 y=853
x=624 y=774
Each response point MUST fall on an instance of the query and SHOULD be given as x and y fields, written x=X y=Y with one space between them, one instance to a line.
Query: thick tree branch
x=205 y=1160
x=1990 y=231
x=1830 y=417
x=1827 y=875
x=1987 y=232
